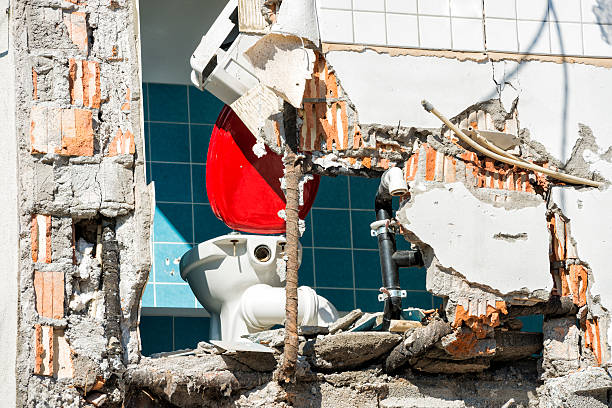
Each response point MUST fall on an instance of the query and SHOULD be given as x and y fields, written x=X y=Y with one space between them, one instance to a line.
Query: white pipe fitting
x=393 y=180
x=262 y=306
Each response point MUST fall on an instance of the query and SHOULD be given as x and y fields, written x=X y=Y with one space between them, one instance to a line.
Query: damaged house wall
x=84 y=210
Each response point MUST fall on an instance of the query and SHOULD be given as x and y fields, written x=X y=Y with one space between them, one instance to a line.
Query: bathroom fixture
x=392 y=183
x=218 y=64
x=235 y=277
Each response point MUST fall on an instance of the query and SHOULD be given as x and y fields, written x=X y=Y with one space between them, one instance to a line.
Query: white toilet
x=237 y=279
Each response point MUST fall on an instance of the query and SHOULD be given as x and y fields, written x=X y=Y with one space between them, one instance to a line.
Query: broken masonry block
x=49 y=291
x=41 y=238
x=84 y=83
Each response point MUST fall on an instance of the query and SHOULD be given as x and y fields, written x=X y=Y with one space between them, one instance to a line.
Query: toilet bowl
x=237 y=278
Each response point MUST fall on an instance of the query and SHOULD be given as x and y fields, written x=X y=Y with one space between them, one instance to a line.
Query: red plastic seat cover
x=244 y=190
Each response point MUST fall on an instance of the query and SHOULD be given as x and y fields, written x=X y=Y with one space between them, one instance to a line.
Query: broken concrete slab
x=428 y=365
x=561 y=354
x=351 y=349
x=282 y=63
x=345 y=321
x=473 y=252
x=417 y=342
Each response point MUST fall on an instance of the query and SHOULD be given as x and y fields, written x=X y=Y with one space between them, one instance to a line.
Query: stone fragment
x=345 y=321
x=351 y=349
x=561 y=354
x=270 y=338
x=312 y=331
x=450 y=366
x=402 y=326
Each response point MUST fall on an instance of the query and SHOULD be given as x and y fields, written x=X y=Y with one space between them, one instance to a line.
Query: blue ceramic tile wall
x=340 y=258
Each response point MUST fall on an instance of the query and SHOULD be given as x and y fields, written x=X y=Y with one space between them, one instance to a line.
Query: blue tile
x=188 y=331
x=172 y=223
x=367 y=301
x=204 y=107
x=367 y=269
x=174 y=295
x=532 y=323
x=342 y=299
x=438 y=301
x=169 y=142
x=145 y=100
x=172 y=182
x=306 y=272
x=361 y=229
x=413 y=278
x=155 y=334
x=198 y=179
x=332 y=193
x=401 y=244
x=206 y=225
x=421 y=300
x=306 y=239
x=168 y=103
x=331 y=228
x=333 y=268
x=167 y=258
x=148 y=299
x=363 y=192
x=200 y=137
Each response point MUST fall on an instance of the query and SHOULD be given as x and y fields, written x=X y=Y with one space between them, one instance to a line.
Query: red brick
x=122 y=143
x=43 y=349
x=126 y=105
x=34 y=84
x=49 y=291
x=76 y=23
x=77 y=133
x=40 y=232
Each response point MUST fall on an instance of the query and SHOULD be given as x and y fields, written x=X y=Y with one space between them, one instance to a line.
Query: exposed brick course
x=68 y=132
x=84 y=83
x=41 y=238
x=49 y=290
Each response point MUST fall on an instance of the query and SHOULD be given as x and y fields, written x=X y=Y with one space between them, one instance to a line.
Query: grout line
x=348 y=186
x=353 y=19
x=581 y=28
x=173 y=348
x=314 y=266
x=190 y=166
x=166 y=122
x=518 y=44
x=418 y=24
x=450 y=22
x=386 y=29
x=174 y=162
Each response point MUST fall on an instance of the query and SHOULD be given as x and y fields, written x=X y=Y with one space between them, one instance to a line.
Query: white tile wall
x=558 y=27
x=531 y=9
x=434 y=7
x=340 y=4
x=435 y=32
x=370 y=28
x=533 y=37
x=467 y=34
x=402 y=6
x=336 y=25
x=594 y=40
x=501 y=35
x=369 y=5
x=500 y=8
x=565 y=10
x=466 y=8
x=402 y=30
x=566 y=38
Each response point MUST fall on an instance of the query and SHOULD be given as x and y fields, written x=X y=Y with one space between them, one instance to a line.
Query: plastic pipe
x=263 y=306
x=392 y=183
x=504 y=159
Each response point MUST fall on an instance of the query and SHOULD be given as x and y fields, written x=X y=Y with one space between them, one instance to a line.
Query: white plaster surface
x=591 y=227
x=461 y=230
x=9 y=239
x=553 y=98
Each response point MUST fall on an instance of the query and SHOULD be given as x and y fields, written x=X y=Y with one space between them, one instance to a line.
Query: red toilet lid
x=244 y=190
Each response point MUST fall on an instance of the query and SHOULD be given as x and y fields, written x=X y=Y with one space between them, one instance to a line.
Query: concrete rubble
x=499 y=242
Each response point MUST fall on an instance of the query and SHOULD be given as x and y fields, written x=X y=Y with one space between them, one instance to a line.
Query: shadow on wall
x=603 y=14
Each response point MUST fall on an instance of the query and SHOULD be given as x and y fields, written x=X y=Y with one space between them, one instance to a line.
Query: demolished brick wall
x=84 y=204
